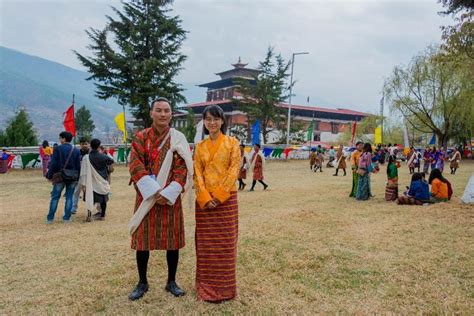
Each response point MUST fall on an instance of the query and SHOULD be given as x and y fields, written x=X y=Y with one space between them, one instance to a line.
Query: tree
x=143 y=60
x=262 y=95
x=190 y=129
x=455 y=6
x=432 y=95
x=84 y=123
x=19 y=131
x=366 y=126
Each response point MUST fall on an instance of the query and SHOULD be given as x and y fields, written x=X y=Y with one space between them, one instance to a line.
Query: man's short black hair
x=159 y=99
x=83 y=139
x=66 y=135
x=358 y=143
x=258 y=145
x=95 y=143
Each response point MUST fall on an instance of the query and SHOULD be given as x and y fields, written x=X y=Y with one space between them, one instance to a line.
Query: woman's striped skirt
x=216 y=251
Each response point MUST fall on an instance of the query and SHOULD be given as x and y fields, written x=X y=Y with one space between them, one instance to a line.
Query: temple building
x=329 y=123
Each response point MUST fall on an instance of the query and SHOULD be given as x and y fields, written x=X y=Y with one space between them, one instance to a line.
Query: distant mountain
x=45 y=89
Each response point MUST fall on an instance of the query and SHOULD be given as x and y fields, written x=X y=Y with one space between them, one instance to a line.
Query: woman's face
x=212 y=123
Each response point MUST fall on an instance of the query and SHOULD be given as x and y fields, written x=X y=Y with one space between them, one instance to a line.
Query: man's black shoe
x=174 y=289
x=138 y=292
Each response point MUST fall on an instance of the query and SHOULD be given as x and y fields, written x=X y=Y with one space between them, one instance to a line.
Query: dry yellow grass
x=304 y=247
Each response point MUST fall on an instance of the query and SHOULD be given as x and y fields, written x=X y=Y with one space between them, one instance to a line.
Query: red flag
x=354 y=128
x=69 y=125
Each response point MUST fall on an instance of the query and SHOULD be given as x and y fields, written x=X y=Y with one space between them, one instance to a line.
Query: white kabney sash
x=93 y=182
x=180 y=145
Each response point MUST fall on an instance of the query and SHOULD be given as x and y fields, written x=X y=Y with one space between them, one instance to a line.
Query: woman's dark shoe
x=138 y=292
x=174 y=289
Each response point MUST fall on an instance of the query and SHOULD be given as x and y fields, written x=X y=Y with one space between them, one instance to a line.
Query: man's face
x=161 y=114
x=62 y=140
x=85 y=146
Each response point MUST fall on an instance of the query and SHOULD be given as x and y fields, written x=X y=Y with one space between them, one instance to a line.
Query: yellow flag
x=120 y=122
x=378 y=135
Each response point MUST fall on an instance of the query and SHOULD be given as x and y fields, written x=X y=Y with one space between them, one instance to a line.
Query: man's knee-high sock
x=254 y=182
x=172 y=257
x=142 y=265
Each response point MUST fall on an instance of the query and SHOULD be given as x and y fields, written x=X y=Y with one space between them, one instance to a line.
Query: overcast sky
x=353 y=44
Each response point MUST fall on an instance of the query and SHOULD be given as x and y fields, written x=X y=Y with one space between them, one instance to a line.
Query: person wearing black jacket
x=65 y=156
x=100 y=162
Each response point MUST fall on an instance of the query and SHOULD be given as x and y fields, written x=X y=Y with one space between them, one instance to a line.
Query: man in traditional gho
x=94 y=180
x=454 y=160
x=244 y=165
x=355 y=163
x=216 y=167
x=258 y=161
x=313 y=156
x=426 y=160
x=340 y=160
x=160 y=168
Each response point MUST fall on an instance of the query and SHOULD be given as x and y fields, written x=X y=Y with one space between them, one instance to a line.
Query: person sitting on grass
x=441 y=190
x=418 y=193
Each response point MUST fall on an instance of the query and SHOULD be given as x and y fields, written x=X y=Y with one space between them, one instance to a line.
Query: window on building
x=316 y=125
x=209 y=96
x=316 y=137
x=334 y=128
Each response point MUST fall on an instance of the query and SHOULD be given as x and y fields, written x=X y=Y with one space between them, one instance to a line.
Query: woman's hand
x=212 y=204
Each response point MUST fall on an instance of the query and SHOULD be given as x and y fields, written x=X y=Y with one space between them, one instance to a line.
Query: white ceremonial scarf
x=93 y=182
x=180 y=145
x=252 y=165
x=244 y=163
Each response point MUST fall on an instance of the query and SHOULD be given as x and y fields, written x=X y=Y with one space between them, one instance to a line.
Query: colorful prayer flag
x=121 y=126
x=256 y=132
x=378 y=135
x=68 y=122
x=354 y=128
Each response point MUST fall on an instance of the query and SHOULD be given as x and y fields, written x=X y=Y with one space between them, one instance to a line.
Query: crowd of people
x=75 y=170
x=366 y=159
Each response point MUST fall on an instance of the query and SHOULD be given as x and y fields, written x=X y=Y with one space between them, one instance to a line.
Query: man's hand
x=161 y=200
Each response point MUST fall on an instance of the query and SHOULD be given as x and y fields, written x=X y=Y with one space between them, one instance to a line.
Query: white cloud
x=353 y=44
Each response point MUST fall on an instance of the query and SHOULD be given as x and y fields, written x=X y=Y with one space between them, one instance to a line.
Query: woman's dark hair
x=258 y=145
x=159 y=99
x=66 y=135
x=436 y=174
x=358 y=143
x=95 y=143
x=45 y=144
x=417 y=176
x=215 y=111
x=367 y=148
x=391 y=160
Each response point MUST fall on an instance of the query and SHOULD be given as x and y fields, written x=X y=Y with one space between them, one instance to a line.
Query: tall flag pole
x=125 y=134
x=69 y=124
x=381 y=116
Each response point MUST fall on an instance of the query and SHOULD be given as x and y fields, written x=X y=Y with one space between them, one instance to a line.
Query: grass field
x=304 y=247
